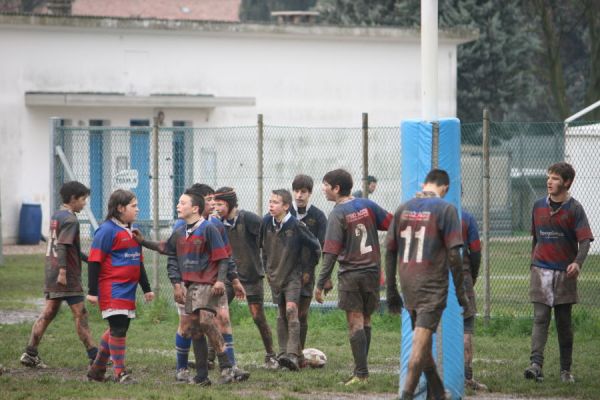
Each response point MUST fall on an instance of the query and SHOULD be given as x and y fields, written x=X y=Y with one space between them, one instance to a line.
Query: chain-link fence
x=257 y=159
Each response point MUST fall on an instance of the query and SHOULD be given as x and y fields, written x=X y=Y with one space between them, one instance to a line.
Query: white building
x=120 y=72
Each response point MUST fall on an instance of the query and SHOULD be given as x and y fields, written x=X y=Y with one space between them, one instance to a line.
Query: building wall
x=297 y=80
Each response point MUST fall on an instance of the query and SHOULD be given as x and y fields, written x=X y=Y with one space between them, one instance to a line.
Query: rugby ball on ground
x=315 y=358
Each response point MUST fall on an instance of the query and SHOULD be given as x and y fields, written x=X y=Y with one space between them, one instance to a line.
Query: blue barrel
x=30 y=223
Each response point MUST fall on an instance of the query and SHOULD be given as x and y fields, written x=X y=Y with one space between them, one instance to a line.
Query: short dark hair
x=339 y=177
x=197 y=199
x=228 y=195
x=371 y=179
x=438 y=177
x=286 y=196
x=119 y=197
x=201 y=189
x=302 y=181
x=564 y=170
x=73 y=189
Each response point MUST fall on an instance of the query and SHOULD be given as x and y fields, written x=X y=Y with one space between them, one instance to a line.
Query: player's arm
x=455 y=261
x=574 y=268
x=145 y=284
x=394 y=300
x=61 y=256
x=93 y=274
x=324 y=281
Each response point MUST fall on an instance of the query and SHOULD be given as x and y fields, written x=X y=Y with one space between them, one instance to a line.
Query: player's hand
x=328 y=286
x=149 y=296
x=218 y=288
x=462 y=298
x=61 y=279
x=178 y=294
x=137 y=235
x=305 y=278
x=240 y=292
x=92 y=299
x=573 y=270
x=394 y=301
x=319 y=295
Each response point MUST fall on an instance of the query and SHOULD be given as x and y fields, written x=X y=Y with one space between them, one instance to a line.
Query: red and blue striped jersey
x=352 y=234
x=120 y=258
x=198 y=253
x=557 y=233
x=470 y=236
x=421 y=233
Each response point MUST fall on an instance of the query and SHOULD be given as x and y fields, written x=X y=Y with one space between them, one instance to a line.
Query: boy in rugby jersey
x=316 y=221
x=243 y=228
x=63 y=274
x=116 y=266
x=198 y=267
x=424 y=236
x=561 y=241
x=283 y=239
x=352 y=240
x=471 y=264
x=183 y=340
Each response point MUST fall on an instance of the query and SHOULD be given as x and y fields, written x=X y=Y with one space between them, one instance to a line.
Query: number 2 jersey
x=422 y=231
x=352 y=234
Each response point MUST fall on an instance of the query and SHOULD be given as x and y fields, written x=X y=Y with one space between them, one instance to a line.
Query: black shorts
x=308 y=289
x=290 y=292
x=69 y=299
x=255 y=292
x=425 y=319
x=359 y=291
x=469 y=324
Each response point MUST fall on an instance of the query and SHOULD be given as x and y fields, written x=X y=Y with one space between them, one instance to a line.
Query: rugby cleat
x=32 y=361
x=566 y=377
x=534 y=371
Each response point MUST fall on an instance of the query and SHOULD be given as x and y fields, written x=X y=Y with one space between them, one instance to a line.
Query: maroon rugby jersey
x=352 y=234
x=64 y=230
x=422 y=232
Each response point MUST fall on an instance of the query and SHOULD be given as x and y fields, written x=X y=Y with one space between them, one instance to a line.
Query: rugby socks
x=358 y=343
x=303 y=331
x=468 y=373
x=117 y=348
x=92 y=353
x=32 y=351
x=201 y=354
x=282 y=334
x=103 y=352
x=293 y=343
x=228 y=338
x=368 y=335
x=224 y=361
x=182 y=347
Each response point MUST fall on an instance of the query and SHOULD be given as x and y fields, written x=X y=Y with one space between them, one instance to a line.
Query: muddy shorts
x=290 y=292
x=199 y=297
x=308 y=289
x=71 y=299
x=425 y=319
x=255 y=292
x=359 y=291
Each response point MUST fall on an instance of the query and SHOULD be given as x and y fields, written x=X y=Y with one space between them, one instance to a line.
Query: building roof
x=454 y=35
x=206 y=10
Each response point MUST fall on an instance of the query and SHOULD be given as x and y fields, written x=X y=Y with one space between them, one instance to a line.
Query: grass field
x=501 y=353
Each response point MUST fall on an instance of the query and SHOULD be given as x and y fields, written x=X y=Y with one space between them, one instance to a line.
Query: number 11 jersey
x=422 y=231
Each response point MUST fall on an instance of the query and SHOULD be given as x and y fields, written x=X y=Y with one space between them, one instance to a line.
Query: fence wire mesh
x=106 y=158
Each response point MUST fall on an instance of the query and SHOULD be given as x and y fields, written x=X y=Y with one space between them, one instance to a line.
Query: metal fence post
x=486 y=214
x=155 y=208
x=365 y=154
x=54 y=124
x=1 y=251
x=435 y=144
x=260 y=183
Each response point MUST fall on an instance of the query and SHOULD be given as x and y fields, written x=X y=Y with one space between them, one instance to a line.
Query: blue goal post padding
x=416 y=140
